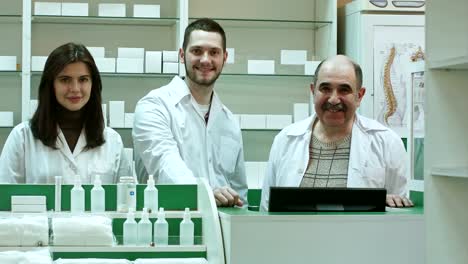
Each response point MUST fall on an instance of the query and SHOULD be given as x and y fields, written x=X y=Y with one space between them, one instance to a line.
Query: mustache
x=335 y=107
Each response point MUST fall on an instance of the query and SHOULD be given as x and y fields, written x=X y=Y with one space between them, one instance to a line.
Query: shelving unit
x=446 y=162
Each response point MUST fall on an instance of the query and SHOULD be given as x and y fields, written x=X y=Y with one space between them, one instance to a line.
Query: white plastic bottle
x=77 y=198
x=186 y=229
x=98 y=196
x=151 y=195
x=145 y=229
x=161 y=229
x=126 y=193
x=130 y=233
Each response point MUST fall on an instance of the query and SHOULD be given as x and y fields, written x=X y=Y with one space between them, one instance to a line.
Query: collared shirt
x=25 y=159
x=173 y=142
x=377 y=158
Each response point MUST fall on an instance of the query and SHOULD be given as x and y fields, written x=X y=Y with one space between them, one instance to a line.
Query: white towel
x=92 y=261
x=82 y=231
x=24 y=231
x=171 y=261
x=41 y=256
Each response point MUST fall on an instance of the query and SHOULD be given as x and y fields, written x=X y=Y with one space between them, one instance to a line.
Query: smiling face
x=204 y=57
x=72 y=86
x=336 y=95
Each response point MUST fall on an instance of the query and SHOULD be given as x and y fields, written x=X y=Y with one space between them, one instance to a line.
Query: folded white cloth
x=92 y=261
x=171 y=261
x=82 y=231
x=24 y=231
x=41 y=256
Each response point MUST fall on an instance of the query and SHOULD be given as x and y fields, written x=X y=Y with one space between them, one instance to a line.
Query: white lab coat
x=25 y=159
x=173 y=143
x=377 y=158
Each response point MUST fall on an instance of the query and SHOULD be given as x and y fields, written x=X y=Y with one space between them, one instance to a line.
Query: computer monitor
x=311 y=199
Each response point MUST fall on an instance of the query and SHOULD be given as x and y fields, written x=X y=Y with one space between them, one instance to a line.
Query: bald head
x=340 y=63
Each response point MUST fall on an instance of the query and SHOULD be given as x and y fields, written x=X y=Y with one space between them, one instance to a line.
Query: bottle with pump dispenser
x=151 y=195
x=161 y=229
x=98 y=199
x=186 y=229
x=145 y=229
x=77 y=197
x=130 y=233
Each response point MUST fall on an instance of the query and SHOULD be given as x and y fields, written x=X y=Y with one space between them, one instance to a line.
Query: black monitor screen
x=297 y=199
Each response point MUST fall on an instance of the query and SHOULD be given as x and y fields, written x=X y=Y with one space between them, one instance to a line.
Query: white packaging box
x=117 y=114
x=104 y=113
x=253 y=121
x=261 y=67
x=251 y=173
x=47 y=9
x=170 y=56
x=75 y=9
x=153 y=61
x=130 y=65
x=128 y=153
x=111 y=10
x=7 y=63
x=310 y=66
x=28 y=208
x=38 y=62
x=28 y=199
x=262 y=166
x=171 y=67
x=6 y=119
x=132 y=53
x=147 y=11
x=105 y=64
x=129 y=120
x=32 y=107
x=97 y=52
x=293 y=57
x=278 y=121
x=301 y=111
x=231 y=55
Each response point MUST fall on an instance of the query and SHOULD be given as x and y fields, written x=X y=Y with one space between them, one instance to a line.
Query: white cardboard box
x=129 y=120
x=105 y=64
x=147 y=11
x=38 y=62
x=47 y=9
x=153 y=62
x=28 y=208
x=253 y=121
x=104 y=113
x=301 y=111
x=171 y=67
x=97 y=52
x=117 y=114
x=293 y=57
x=170 y=56
x=278 y=121
x=261 y=67
x=75 y=9
x=136 y=53
x=112 y=10
x=6 y=119
x=130 y=65
x=7 y=63
x=231 y=55
x=310 y=66
x=32 y=107
x=28 y=199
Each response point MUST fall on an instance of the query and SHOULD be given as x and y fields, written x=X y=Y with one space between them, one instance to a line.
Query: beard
x=202 y=82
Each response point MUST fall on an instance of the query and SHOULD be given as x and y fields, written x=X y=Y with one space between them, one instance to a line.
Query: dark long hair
x=44 y=122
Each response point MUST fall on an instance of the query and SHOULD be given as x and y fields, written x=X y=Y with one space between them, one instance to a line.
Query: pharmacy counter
x=396 y=236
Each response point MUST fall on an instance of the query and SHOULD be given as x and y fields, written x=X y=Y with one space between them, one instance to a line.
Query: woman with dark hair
x=66 y=135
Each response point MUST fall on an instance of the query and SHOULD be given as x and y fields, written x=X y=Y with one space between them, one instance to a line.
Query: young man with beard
x=183 y=131
x=337 y=147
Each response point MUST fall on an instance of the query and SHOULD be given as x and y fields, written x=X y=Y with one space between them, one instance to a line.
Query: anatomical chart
x=395 y=48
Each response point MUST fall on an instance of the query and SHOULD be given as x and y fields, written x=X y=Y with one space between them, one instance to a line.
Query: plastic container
x=186 y=229
x=130 y=229
x=126 y=194
x=98 y=196
x=161 y=229
x=151 y=195
x=77 y=197
x=145 y=229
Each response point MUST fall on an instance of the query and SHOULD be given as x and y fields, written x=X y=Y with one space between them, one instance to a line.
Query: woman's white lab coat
x=377 y=158
x=25 y=159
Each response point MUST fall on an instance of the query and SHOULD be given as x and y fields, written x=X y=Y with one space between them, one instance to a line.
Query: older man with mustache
x=337 y=147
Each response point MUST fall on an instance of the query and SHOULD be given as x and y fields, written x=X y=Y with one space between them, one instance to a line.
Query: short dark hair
x=44 y=122
x=357 y=72
x=205 y=24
